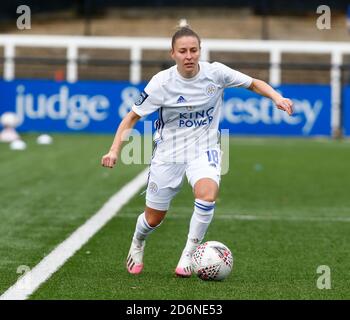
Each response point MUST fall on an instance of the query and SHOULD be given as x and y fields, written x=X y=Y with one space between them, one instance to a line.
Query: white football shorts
x=165 y=179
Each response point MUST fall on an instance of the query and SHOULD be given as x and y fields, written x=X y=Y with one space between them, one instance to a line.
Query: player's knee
x=207 y=197
x=154 y=221
x=154 y=217
x=206 y=190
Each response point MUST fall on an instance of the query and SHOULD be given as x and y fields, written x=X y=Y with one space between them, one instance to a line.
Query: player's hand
x=109 y=160
x=285 y=104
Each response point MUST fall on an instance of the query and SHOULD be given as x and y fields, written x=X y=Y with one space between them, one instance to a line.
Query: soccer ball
x=212 y=260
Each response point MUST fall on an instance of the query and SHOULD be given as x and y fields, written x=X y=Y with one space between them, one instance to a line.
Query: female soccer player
x=188 y=98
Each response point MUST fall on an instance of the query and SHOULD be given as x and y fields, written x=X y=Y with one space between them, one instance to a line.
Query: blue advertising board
x=86 y=106
x=346 y=110
x=98 y=107
x=245 y=112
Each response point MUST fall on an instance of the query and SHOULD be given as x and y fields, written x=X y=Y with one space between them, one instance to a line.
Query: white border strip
x=31 y=281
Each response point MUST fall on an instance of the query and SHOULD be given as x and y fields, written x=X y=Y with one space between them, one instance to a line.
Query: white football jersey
x=188 y=109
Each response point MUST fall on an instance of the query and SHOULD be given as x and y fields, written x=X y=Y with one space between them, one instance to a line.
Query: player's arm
x=264 y=89
x=110 y=159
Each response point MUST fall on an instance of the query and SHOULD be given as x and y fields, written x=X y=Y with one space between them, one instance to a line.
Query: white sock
x=201 y=218
x=142 y=230
x=191 y=246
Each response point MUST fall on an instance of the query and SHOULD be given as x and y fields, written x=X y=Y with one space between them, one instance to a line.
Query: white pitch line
x=31 y=281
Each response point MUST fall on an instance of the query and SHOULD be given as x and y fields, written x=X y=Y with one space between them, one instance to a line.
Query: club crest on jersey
x=152 y=187
x=210 y=90
x=143 y=96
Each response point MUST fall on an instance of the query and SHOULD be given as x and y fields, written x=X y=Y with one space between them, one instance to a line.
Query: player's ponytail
x=184 y=30
x=183 y=24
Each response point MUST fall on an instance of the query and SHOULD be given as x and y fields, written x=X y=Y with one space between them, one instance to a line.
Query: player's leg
x=204 y=178
x=146 y=223
x=164 y=182
x=205 y=191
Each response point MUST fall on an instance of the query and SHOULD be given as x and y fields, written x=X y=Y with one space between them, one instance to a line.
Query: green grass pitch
x=283 y=210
